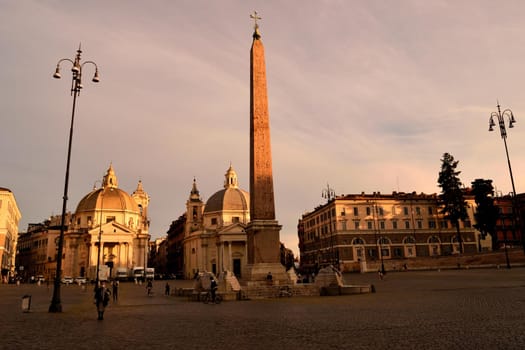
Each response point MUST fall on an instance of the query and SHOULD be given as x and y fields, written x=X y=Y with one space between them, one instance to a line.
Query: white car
x=67 y=280
x=80 y=280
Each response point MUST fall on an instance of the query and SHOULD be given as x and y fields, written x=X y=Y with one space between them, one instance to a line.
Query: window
x=405 y=210
x=356 y=224
x=407 y=224
x=410 y=251
x=384 y=241
x=433 y=239
x=367 y=210
x=418 y=211
x=394 y=224
x=110 y=219
x=358 y=241
x=343 y=225
x=235 y=219
x=343 y=213
x=369 y=225
x=409 y=240
x=432 y=224
x=356 y=211
x=214 y=221
x=382 y=224
x=419 y=224
x=430 y=211
x=380 y=211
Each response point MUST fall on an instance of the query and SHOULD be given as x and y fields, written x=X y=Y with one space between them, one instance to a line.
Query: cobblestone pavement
x=467 y=309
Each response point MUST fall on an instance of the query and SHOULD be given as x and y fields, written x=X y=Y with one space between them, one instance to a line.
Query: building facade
x=511 y=216
x=354 y=232
x=9 y=218
x=214 y=234
x=109 y=227
x=37 y=249
x=175 y=238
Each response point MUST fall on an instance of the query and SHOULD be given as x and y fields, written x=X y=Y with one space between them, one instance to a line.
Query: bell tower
x=194 y=209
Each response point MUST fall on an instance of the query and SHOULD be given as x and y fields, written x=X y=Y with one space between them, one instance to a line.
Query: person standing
x=149 y=288
x=102 y=295
x=213 y=288
x=115 y=290
x=167 y=289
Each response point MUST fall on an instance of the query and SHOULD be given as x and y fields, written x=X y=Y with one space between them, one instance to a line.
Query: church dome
x=108 y=197
x=231 y=198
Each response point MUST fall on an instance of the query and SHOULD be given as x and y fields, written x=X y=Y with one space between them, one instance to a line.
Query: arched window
x=409 y=240
x=433 y=239
x=384 y=240
x=358 y=241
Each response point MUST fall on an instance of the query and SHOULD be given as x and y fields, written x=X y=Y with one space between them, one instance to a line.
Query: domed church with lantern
x=215 y=236
x=109 y=217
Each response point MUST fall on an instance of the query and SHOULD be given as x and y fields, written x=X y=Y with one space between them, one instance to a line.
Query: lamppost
x=329 y=194
x=376 y=229
x=76 y=86
x=503 y=131
x=97 y=280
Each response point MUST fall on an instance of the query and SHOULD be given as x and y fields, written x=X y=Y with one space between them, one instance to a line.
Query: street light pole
x=329 y=194
x=97 y=280
x=76 y=86
x=503 y=131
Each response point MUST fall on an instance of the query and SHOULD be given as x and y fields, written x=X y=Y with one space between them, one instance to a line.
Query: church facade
x=113 y=219
x=107 y=217
x=214 y=232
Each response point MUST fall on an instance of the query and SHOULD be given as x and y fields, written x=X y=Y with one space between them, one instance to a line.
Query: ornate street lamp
x=503 y=131
x=76 y=86
x=102 y=194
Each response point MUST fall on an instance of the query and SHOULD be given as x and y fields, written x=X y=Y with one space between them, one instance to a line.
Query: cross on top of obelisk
x=255 y=17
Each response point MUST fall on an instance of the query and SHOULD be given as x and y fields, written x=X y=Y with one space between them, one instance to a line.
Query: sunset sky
x=363 y=96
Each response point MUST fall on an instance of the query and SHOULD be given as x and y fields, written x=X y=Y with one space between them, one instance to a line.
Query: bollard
x=26 y=303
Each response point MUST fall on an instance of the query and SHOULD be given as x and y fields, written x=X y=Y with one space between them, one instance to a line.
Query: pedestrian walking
x=213 y=289
x=115 y=290
x=102 y=295
x=167 y=289
x=149 y=287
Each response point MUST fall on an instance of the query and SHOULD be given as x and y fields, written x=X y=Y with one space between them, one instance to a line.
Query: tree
x=486 y=213
x=451 y=197
x=287 y=257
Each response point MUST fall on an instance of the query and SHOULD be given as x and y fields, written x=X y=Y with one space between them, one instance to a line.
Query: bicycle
x=207 y=298
x=284 y=291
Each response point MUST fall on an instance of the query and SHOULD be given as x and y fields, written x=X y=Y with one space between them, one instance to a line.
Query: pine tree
x=451 y=197
x=486 y=213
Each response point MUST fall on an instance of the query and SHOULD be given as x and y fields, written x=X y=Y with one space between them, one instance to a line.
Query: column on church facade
x=229 y=267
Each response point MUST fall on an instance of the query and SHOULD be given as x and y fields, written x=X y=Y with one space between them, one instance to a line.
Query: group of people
x=103 y=294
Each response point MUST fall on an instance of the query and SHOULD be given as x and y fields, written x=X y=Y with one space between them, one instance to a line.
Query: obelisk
x=263 y=229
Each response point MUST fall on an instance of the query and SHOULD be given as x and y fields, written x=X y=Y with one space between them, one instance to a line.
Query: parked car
x=40 y=278
x=67 y=280
x=80 y=280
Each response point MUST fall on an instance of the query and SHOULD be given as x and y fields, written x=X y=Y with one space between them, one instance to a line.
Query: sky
x=363 y=96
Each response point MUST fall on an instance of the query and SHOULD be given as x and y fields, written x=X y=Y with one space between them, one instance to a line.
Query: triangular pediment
x=232 y=229
x=112 y=227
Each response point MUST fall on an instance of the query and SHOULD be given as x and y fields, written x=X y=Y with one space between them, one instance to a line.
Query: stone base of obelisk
x=264 y=256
